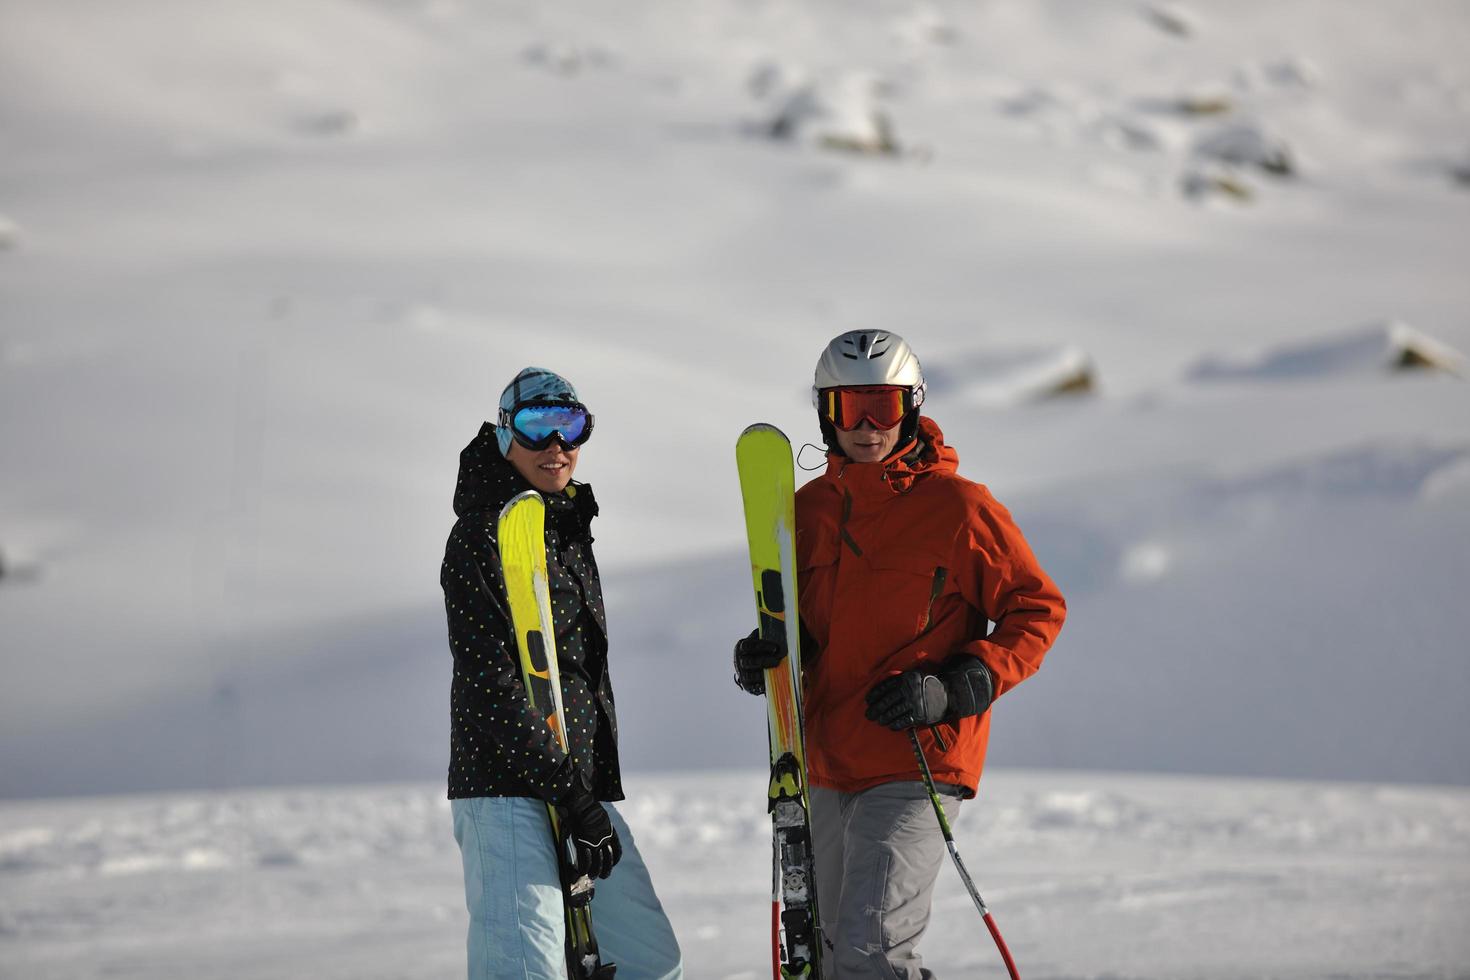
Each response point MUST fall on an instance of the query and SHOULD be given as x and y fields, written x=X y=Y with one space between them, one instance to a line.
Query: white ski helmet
x=869 y=357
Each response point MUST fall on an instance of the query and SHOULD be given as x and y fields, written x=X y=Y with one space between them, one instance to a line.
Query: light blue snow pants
x=517 y=927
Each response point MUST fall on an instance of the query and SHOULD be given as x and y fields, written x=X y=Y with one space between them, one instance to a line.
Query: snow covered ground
x=1092 y=875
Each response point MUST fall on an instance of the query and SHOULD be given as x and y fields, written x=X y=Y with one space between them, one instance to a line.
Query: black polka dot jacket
x=499 y=745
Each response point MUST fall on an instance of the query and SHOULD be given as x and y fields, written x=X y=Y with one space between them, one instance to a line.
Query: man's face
x=548 y=470
x=865 y=444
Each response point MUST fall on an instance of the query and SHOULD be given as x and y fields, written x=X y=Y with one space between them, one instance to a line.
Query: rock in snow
x=1383 y=347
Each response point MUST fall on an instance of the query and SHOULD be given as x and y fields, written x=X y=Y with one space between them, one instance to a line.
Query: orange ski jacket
x=900 y=565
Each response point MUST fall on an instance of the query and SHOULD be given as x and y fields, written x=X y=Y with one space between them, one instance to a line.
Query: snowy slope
x=264 y=269
x=1089 y=875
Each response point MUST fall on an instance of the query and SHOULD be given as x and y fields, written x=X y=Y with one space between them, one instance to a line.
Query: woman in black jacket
x=505 y=763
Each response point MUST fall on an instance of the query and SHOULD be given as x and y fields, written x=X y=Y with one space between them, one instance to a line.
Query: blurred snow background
x=1187 y=279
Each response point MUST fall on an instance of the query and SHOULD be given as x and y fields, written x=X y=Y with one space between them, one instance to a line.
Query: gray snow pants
x=878 y=853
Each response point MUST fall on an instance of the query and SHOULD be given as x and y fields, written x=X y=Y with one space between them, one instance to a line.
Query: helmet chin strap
x=829 y=435
x=908 y=429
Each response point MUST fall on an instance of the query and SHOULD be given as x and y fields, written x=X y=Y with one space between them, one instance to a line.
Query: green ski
x=768 y=488
x=521 y=535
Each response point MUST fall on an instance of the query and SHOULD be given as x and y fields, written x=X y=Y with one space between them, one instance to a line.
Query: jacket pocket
x=936 y=589
x=903 y=590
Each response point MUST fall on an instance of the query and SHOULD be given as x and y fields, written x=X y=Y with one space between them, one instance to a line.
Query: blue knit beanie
x=533 y=384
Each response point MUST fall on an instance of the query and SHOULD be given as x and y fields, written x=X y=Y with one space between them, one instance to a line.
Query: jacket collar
x=927 y=454
x=487 y=480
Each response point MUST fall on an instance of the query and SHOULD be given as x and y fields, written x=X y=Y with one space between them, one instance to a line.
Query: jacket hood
x=926 y=454
x=487 y=481
x=486 y=478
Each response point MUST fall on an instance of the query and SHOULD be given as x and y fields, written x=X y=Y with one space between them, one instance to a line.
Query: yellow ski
x=768 y=489
x=521 y=534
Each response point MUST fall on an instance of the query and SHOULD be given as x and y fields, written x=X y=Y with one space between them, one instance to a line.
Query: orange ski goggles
x=882 y=405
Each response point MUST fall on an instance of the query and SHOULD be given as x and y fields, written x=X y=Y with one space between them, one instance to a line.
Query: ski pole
x=1000 y=943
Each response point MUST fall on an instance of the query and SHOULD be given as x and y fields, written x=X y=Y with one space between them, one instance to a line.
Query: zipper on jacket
x=842 y=527
x=940 y=574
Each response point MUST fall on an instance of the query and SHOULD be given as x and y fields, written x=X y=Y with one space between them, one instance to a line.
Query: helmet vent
x=868 y=346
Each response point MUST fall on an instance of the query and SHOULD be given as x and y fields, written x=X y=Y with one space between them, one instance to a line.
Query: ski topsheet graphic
x=768 y=488
x=522 y=539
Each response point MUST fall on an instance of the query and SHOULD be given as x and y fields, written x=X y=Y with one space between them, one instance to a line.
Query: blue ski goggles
x=535 y=425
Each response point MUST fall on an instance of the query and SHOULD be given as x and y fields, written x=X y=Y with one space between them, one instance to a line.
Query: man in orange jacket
x=902 y=566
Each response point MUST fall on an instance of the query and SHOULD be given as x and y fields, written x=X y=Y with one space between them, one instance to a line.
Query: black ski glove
x=591 y=833
x=960 y=688
x=753 y=657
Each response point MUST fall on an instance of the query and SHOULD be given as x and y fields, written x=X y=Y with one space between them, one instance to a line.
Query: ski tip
x=762 y=427
x=520 y=498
